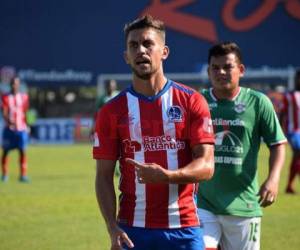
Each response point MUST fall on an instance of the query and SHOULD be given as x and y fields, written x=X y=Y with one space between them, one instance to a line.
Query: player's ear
x=208 y=71
x=242 y=69
x=125 y=57
x=166 y=52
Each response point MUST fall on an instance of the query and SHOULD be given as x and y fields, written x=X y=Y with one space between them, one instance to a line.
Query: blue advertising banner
x=86 y=37
x=59 y=130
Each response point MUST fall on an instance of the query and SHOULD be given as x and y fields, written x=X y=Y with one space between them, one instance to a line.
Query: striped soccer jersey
x=17 y=106
x=291 y=109
x=161 y=129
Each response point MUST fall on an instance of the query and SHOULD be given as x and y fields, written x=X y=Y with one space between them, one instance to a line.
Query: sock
x=23 y=165
x=4 y=165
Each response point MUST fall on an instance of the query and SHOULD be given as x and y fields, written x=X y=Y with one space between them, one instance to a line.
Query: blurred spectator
x=31 y=117
x=277 y=96
x=110 y=92
x=290 y=117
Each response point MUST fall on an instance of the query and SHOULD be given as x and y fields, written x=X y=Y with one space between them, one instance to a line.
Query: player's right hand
x=118 y=238
x=149 y=172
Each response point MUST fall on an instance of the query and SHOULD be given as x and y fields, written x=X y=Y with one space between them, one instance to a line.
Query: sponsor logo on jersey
x=131 y=146
x=239 y=107
x=174 y=114
x=156 y=143
x=226 y=141
x=222 y=122
x=229 y=160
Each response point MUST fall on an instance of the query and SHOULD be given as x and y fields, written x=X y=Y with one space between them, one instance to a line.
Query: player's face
x=224 y=73
x=15 y=85
x=145 y=51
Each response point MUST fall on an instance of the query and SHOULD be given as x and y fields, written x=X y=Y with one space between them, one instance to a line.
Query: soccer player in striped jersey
x=161 y=133
x=230 y=202
x=290 y=116
x=15 y=135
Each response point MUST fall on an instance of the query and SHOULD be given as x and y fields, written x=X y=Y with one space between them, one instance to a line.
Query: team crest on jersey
x=239 y=107
x=174 y=114
x=212 y=105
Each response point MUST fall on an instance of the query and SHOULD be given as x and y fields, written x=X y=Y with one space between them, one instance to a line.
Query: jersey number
x=253 y=231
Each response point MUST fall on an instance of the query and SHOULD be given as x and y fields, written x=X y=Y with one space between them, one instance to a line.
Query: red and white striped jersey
x=17 y=105
x=291 y=111
x=160 y=129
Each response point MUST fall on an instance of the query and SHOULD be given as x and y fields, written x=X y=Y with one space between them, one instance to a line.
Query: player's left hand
x=268 y=193
x=149 y=172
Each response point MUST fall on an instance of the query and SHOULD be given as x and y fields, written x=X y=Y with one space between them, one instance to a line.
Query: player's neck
x=229 y=95
x=149 y=87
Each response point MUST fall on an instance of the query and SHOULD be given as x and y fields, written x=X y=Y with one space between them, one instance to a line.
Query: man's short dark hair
x=13 y=79
x=143 y=22
x=225 y=48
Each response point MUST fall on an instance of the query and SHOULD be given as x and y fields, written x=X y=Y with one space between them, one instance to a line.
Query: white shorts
x=230 y=232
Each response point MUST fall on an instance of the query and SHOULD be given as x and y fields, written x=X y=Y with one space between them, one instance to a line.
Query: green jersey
x=239 y=126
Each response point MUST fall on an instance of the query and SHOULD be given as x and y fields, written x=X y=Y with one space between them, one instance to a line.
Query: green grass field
x=58 y=209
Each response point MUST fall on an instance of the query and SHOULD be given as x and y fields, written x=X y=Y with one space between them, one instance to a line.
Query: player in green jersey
x=230 y=203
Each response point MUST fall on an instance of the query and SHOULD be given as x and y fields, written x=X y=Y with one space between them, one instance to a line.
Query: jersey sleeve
x=106 y=144
x=4 y=101
x=201 y=129
x=26 y=102
x=269 y=126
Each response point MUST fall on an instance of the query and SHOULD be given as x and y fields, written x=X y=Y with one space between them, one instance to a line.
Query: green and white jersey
x=239 y=125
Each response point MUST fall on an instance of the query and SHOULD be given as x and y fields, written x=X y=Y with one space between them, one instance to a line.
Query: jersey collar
x=151 y=98
x=216 y=99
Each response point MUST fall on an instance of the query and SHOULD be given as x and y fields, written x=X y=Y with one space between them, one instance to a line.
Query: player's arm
x=4 y=109
x=5 y=114
x=106 y=197
x=27 y=103
x=200 y=168
x=269 y=189
x=26 y=110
